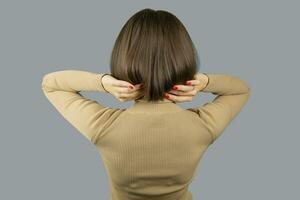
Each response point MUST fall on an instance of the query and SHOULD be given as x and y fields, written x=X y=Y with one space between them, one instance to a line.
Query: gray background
x=44 y=157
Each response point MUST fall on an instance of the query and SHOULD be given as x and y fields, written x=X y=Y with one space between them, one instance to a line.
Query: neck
x=159 y=101
x=143 y=106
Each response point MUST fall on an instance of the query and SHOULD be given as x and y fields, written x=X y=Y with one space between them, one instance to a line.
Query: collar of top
x=146 y=107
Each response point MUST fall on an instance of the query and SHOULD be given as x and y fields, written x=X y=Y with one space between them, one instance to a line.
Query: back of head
x=154 y=48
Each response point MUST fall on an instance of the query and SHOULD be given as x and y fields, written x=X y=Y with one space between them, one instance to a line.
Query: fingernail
x=167 y=96
x=130 y=87
x=188 y=83
x=175 y=87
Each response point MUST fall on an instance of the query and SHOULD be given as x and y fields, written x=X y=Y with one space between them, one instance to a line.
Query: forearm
x=222 y=84
x=72 y=81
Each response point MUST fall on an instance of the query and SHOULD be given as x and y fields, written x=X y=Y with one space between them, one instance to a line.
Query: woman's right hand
x=185 y=93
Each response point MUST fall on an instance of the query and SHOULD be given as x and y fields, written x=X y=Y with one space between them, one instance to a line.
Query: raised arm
x=72 y=81
x=232 y=94
x=88 y=116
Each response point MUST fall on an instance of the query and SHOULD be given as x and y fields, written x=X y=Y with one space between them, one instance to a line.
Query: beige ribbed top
x=150 y=150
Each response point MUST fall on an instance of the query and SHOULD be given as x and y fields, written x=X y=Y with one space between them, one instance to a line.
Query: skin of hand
x=185 y=93
x=125 y=91
x=122 y=90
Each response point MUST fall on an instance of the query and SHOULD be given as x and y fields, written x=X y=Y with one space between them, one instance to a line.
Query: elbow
x=246 y=87
x=247 y=92
x=46 y=82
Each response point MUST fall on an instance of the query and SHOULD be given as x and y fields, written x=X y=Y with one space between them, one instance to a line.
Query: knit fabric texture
x=150 y=150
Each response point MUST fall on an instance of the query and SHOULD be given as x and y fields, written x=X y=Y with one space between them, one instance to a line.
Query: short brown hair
x=154 y=48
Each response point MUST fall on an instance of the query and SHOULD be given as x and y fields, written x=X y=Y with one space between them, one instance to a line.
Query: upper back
x=153 y=151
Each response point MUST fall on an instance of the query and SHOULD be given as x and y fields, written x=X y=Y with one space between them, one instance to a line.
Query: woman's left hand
x=122 y=90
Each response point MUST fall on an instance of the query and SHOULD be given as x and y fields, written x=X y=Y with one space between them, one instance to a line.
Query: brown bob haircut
x=154 y=48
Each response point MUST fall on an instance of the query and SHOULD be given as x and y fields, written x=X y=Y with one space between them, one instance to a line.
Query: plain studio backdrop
x=44 y=157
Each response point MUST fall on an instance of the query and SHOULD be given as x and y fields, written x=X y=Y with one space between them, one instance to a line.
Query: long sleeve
x=88 y=116
x=232 y=94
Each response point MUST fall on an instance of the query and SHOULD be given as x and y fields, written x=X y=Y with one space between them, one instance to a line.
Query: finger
x=193 y=82
x=128 y=90
x=121 y=83
x=136 y=96
x=122 y=99
x=179 y=98
x=139 y=86
x=130 y=94
x=181 y=93
x=122 y=90
x=131 y=97
x=176 y=92
x=183 y=88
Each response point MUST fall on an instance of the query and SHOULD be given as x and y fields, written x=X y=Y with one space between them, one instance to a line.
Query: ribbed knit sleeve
x=232 y=94
x=88 y=116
